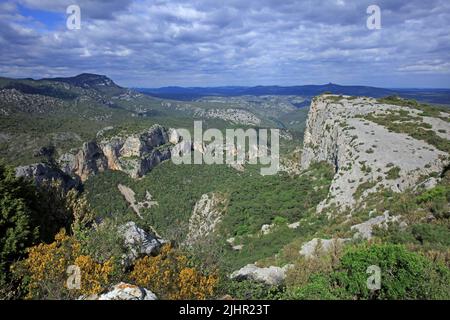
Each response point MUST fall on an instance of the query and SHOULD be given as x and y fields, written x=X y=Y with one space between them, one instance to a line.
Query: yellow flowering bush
x=44 y=271
x=170 y=276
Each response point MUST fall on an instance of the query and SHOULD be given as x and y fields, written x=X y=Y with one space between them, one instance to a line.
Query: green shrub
x=431 y=234
x=439 y=192
x=436 y=200
x=393 y=173
x=248 y=290
x=279 y=220
x=18 y=212
x=319 y=288
x=404 y=275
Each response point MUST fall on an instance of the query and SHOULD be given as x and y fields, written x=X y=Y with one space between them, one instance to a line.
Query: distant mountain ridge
x=438 y=96
x=95 y=82
x=305 y=90
x=64 y=87
x=85 y=80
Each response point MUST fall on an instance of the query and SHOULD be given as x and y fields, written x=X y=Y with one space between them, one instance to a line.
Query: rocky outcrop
x=318 y=246
x=364 y=229
x=42 y=173
x=135 y=154
x=88 y=161
x=267 y=228
x=274 y=276
x=125 y=291
x=206 y=215
x=364 y=152
x=138 y=242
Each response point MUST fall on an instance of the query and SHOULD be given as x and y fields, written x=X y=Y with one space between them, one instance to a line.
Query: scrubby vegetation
x=171 y=276
x=414 y=260
x=402 y=122
x=404 y=275
x=44 y=231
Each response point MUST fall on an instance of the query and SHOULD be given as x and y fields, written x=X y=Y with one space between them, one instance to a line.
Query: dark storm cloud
x=199 y=42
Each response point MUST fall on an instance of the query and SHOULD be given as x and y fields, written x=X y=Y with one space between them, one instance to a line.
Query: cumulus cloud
x=201 y=42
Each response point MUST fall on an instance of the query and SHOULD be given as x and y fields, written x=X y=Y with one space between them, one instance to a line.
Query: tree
x=18 y=209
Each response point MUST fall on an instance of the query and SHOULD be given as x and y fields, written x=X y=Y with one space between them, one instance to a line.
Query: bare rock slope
x=374 y=145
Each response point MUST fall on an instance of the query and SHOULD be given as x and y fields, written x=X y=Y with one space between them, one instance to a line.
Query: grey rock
x=310 y=248
x=337 y=133
x=205 y=217
x=134 y=154
x=125 y=291
x=428 y=184
x=269 y=275
x=294 y=225
x=267 y=228
x=364 y=230
x=41 y=173
x=138 y=242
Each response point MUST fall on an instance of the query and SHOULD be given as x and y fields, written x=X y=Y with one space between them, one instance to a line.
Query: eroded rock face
x=363 y=152
x=274 y=276
x=134 y=154
x=126 y=291
x=89 y=161
x=206 y=215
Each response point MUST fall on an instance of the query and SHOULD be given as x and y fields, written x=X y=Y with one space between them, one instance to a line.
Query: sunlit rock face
x=366 y=155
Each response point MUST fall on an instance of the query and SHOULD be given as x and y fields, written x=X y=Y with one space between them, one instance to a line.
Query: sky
x=155 y=43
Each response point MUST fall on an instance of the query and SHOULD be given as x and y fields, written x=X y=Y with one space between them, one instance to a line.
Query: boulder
x=270 y=275
x=266 y=228
x=138 y=242
x=125 y=291
x=294 y=225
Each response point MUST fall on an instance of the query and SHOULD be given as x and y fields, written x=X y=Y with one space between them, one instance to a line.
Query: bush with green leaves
x=249 y=290
x=404 y=275
x=18 y=214
x=436 y=200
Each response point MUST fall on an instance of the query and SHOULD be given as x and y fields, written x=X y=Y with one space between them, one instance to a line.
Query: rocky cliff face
x=42 y=173
x=373 y=146
x=134 y=154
